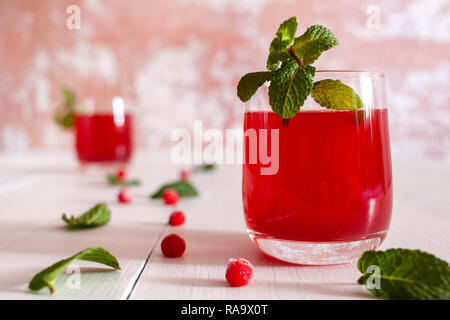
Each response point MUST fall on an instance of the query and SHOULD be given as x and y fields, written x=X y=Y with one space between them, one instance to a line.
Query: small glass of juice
x=329 y=196
x=104 y=132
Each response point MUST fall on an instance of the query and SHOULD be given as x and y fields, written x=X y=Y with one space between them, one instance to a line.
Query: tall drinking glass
x=329 y=196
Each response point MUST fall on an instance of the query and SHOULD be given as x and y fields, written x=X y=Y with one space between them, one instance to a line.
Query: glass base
x=316 y=253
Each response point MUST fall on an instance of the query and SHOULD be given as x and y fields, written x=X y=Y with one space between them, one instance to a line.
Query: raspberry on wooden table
x=124 y=196
x=173 y=246
x=121 y=174
x=170 y=196
x=177 y=218
x=239 y=272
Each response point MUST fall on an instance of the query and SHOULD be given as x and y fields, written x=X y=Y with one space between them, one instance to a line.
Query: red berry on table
x=177 y=218
x=124 y=196
x=239 y=272
x=173 y=246
x=185 y=175
x=121 y=174
x=170 y=196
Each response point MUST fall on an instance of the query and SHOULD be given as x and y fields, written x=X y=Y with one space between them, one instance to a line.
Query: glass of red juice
x=103 y=133
x=325 y=196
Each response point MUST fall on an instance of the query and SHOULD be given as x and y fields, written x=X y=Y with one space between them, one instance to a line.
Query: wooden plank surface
x=32 y=236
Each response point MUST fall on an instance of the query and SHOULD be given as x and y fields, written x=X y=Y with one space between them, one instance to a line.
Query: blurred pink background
x=176 y=61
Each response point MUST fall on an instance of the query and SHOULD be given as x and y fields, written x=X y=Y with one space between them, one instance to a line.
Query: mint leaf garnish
x=274 y=59
x=405 y=274
x=285 y=35
x=250 y=83
x=184 y=189
x=333 y=94
x=94 y=217
x=289 y=88
x=313 y=42
x=291 y=81
x=46 y=277
x=113 y=180
x=278 y=47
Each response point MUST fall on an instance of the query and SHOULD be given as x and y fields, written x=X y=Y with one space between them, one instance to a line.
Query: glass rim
x=353 y=72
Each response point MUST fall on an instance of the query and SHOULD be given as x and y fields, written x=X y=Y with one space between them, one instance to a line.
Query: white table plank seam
x=144 y=265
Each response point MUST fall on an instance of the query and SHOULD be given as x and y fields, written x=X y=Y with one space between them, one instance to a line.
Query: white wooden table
x=36 y=189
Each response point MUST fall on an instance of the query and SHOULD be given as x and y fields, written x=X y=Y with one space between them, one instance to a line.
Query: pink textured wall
x=176 y=61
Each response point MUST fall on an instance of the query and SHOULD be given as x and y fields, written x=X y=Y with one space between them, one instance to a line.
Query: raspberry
x=124 y=196
x=121 y=174
x=239 y=272
x=185 y=175
x=173 y=246
x=177 y=218
x=170 y=196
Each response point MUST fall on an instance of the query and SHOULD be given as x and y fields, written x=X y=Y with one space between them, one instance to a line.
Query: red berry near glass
x=239 y=272
x=185 y=175
x=170 y=197
x=177 y=218
x=121 y=174
x=173 y=246
x=124 y=195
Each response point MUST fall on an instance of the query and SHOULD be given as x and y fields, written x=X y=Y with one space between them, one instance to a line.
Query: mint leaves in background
x=184 y=189
x=96 y=216
x=46 y=277
x=113 y=180
x=291 y=76
x=406 y=274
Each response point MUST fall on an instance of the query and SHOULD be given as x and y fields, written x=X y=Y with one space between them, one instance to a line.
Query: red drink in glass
x=328 y=198
x=104 y=137
x=334 y=179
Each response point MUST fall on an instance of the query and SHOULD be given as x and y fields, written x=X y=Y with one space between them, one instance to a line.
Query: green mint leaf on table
x=96 y=216
x=205 y=167
x=291 y=76
x=46 y=277
x=333 y=94
x=289 y=88
x=208 y=167
x=184 y=189
x=310 y=45
x=405 y=274
x=113 y=180
x=250 y=83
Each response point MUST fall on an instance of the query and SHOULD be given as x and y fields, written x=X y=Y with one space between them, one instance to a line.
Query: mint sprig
x=405 y=274
x=291 y=75
x=94 y=217
x=47 y=277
